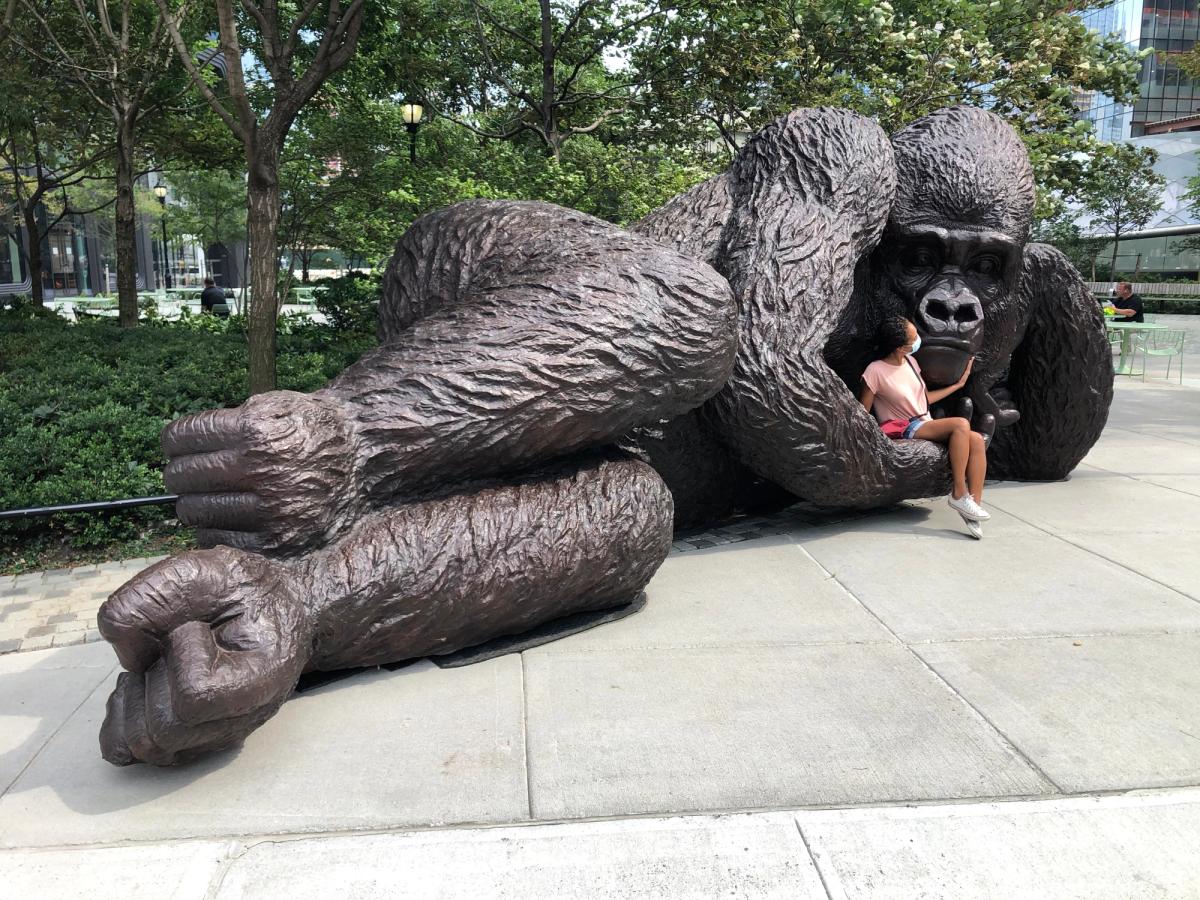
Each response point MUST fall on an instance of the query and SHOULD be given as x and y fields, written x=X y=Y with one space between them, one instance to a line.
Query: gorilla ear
x=965 y=166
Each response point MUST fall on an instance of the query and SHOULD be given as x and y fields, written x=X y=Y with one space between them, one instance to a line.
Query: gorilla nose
x=955 y=313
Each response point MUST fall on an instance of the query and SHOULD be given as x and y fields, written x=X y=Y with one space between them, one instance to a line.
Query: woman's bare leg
x=955 y=432
x=976 y=466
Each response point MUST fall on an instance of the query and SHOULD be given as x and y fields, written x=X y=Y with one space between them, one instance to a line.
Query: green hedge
x=1178 y=306
x=81 y=408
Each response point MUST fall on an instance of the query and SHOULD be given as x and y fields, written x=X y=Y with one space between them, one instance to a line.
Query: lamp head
x=411 y=113
x=160 y=191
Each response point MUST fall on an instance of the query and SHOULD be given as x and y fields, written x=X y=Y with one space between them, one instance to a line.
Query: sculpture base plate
x=501 y=646
x=542 y=634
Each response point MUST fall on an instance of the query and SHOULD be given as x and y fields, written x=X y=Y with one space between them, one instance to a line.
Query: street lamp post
x=411 y=113
x=160 y=191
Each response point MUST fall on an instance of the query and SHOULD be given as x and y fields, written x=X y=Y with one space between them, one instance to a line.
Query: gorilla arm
x=811 y=195
x=213 y=641
x=1060 y=377
x=513 y=333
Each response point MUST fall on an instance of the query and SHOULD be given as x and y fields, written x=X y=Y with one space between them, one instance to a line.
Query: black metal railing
x=98 y=506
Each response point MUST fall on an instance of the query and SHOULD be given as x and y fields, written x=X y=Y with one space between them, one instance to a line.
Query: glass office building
x=1166 y=118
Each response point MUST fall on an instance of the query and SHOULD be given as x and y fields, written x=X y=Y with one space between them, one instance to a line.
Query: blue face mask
x=916 y=345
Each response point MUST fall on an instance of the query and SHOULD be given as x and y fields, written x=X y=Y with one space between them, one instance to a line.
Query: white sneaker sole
x=975 y=529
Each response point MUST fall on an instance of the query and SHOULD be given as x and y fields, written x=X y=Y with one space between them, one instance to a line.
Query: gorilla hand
x=275 y=474
x=214 y=641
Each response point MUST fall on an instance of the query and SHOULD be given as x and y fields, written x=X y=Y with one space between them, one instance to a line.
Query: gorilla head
x=952 y=248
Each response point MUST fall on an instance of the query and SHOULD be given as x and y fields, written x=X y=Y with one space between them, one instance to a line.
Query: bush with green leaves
x=82 y=406
x=350 y=303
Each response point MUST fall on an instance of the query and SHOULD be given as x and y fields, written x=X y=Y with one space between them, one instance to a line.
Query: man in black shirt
x=211 y=296
x=1128 y=304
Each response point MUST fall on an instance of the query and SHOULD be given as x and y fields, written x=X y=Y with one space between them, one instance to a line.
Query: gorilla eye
x=986 y=265
x=920 y=258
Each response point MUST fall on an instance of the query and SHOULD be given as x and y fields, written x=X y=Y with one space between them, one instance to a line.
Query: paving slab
x=756 y=857
x=632 y=732
x=766 y=591
x=38 y=693
x=169 y=871
x=1140 y=453
x=1093 y=713
x=1124 y=848
x=1149 y=529
x=1166 y=410
x=957 y=589
x=1187 y=484
x=419 y=746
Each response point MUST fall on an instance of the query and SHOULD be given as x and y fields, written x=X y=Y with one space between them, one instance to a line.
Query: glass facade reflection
x=1169 y=27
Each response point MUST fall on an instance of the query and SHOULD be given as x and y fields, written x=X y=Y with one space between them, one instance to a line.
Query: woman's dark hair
x=891 y=333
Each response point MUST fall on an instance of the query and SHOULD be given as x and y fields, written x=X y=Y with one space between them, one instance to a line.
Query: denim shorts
x=913 y=424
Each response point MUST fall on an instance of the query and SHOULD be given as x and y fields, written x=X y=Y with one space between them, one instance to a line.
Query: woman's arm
x=867 y=397
x=941 y=393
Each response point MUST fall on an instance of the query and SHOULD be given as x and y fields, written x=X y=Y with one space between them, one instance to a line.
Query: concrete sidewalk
x=1034 y=696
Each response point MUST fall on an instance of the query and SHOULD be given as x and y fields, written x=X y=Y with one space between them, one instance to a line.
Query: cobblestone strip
x=58 y=607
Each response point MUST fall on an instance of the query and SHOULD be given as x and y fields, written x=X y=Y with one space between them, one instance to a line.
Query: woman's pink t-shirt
x=899 y=391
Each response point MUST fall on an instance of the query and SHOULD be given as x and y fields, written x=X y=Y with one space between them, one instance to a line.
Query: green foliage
x=81 y=408
x=739 y=65
x=211 y=206
x=1063 y=232
x=349 y=303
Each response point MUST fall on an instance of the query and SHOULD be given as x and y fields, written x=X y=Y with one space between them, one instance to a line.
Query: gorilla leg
x=513 y=333
x=214 y=640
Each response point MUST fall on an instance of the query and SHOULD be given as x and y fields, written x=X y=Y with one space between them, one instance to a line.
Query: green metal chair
x=1125 y=348
x=1168 y=343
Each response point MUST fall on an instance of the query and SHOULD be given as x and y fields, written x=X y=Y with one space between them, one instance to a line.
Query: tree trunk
x=549 y=90
x=1112 y=268
x=34 y=255
x=305 y=260
x=262 y=227
x=125 y=227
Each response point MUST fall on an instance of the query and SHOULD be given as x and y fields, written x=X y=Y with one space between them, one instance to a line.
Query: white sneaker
x=975 y=529
x=966 y=507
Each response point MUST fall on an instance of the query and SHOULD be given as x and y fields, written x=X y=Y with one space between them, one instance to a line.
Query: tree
x=211 y=206
x=48 y=153
x=1062 y=231
x=293 y=54
x=118 y=57
x=549 y=72
x=740 y=65
x=1122 y=193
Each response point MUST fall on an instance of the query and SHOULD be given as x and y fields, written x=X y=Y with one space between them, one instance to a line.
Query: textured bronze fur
x=550 y=391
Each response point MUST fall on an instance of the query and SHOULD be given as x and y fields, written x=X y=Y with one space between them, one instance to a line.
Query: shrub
x=82 y=406
x=349 y=303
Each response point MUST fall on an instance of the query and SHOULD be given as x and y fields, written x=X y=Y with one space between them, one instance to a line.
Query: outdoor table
x=1127 y=330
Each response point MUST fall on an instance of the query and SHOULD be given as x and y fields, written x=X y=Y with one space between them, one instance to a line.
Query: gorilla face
x=948 y=278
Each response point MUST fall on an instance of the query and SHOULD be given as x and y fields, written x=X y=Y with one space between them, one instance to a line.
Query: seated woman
x=895 y=392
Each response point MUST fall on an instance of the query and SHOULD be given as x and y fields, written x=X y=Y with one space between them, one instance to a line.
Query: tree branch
x=185 y=56
x=480 y=9
x=235 y=78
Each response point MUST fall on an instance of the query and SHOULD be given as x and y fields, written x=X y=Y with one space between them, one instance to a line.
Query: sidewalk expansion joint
x=1059 y=537
x=816 y=863
x=1005 y=740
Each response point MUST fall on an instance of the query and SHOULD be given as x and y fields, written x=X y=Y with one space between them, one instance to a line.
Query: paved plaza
x=872 y=707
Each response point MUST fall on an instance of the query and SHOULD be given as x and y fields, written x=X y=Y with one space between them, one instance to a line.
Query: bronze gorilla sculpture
x=550 y=391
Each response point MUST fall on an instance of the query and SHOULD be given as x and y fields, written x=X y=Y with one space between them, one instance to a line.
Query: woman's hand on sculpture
x=274 y=474
x=213 y=641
